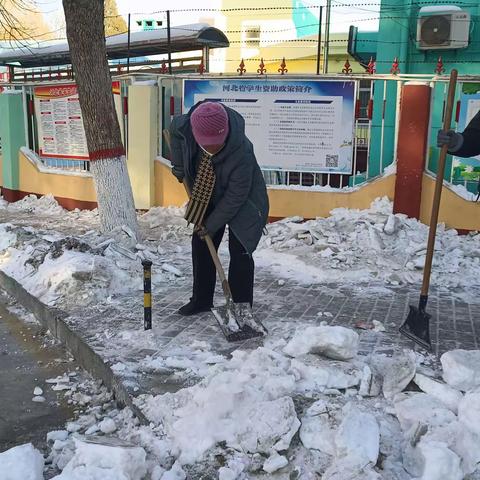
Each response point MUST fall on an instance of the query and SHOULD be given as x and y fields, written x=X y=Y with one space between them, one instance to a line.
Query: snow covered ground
x=364 y=246
x=60 y=257
x=302 y=406
x=267 y=414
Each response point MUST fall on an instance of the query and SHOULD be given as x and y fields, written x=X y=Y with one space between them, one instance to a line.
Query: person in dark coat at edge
x=466 y=144
x=239 y=198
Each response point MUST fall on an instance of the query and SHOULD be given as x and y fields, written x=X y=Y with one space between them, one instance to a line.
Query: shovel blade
x=417 y=327
x=237 y=322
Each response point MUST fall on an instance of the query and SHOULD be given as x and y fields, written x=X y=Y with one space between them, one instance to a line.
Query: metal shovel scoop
x=236 y=320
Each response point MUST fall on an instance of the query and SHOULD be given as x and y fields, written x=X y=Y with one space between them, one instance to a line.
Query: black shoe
x=192 y=308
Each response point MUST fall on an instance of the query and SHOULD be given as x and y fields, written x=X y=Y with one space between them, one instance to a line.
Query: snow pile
x=442 y=425
x=80 y=269
x=246 y=412
x=244 y=403
x=105 y=460
x=23 y=462
x=33 y=204
x=353 y=246
x=247 y=404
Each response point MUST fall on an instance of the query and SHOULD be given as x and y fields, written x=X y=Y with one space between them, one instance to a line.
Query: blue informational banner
x=294 y=125
x=467 y=169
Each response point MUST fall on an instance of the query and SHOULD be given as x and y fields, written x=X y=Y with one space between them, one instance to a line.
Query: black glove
x=201 y=231
x=453 y=139
x=178 y=173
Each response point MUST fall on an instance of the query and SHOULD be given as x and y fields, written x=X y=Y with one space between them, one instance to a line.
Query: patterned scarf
x=202 y=190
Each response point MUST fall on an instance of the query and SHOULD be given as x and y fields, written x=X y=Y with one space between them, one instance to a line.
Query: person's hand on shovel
x=201 y=231
x=450 y=138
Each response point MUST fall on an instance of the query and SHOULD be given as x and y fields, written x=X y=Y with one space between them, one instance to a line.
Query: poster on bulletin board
x=467 y=169
x=294 y=125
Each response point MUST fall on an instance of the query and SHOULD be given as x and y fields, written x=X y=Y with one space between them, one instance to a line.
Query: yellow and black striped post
x=147 y=294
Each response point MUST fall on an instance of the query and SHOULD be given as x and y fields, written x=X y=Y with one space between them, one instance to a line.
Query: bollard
x=147 y=294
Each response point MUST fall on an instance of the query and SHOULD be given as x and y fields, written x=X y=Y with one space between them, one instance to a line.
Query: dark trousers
x=240 y=271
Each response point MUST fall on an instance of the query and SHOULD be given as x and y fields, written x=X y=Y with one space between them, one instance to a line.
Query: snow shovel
x=236 y=320
x=417 y=325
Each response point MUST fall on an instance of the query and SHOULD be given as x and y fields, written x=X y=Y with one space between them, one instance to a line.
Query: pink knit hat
x=209 y=123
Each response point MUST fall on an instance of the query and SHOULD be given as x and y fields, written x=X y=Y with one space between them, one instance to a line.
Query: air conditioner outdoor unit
x=442 y=27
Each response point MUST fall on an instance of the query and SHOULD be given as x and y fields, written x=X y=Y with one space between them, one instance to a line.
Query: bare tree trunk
x=86 y=38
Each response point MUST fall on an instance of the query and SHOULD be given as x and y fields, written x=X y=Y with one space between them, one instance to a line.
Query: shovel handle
x=447 y=120
x=213 y=253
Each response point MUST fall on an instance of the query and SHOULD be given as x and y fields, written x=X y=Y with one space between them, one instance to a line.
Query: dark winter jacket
x=240 y=196
x=471 y=139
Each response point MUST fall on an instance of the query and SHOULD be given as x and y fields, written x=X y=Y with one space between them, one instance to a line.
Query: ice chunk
x=105 y=459
x=461 y=369
x=467 y=446
x=107 y=426
x=370 y=383
x=398 y=372
x=232 y=471
x=378 y=326
x=57 y=435
x=316 y=433
x=225 y=473
x=37 y=391
x=342 y=469
x=171 y=269
x=439 y=462
x=73 y=427
x=245 y=402
x=469 y=412
x=314 y=374
x=175 y=473
x=275 y=462
x=91 y=430
x=446 y=394
x=414 y=408
x=358 y=437
x=38 y=399
x=391 y=225
x=23 y=462
x=338 y=343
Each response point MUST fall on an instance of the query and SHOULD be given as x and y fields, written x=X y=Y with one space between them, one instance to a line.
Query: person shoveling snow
x=211 y=154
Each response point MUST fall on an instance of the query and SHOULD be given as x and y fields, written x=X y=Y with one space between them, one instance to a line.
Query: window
x=252 y=35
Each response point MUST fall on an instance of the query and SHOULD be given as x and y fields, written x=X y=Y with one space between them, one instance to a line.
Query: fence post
x=12 y=133
x=412 y=147
x=142 y=141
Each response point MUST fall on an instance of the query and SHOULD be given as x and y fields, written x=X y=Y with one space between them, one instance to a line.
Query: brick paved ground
x=454 y=324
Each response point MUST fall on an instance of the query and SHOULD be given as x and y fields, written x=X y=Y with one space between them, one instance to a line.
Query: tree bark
x=86 y=38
